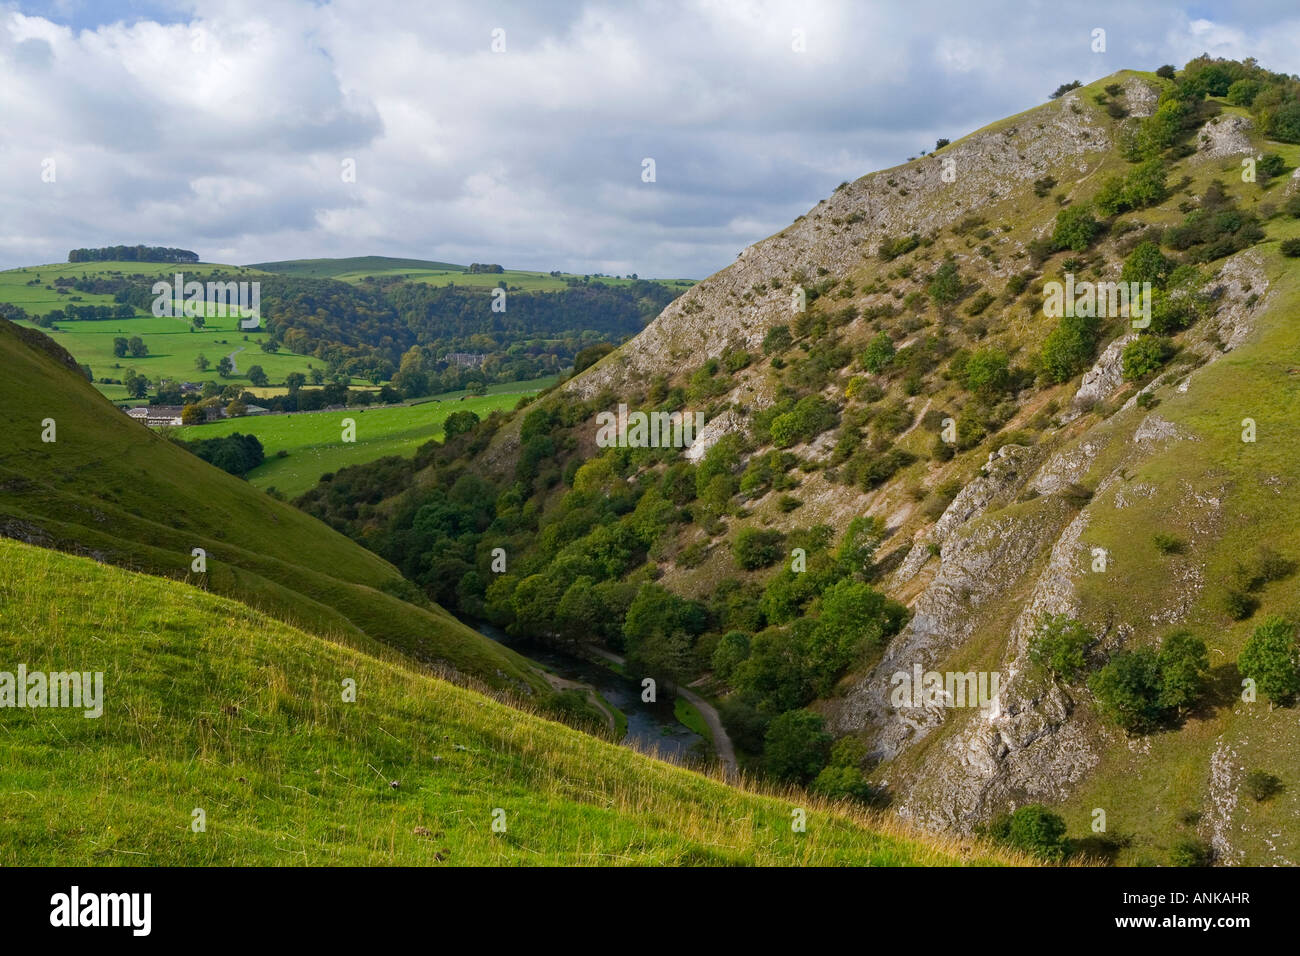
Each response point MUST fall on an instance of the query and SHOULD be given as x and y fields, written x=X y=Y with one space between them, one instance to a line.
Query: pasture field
x=314 y=440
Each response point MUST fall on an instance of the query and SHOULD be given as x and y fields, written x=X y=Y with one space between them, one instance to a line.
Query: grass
x=691 y=718
x=210 y=705
x=111 y=488
x=314 y=442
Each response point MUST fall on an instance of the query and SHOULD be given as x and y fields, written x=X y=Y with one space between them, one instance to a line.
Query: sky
x=518 y=133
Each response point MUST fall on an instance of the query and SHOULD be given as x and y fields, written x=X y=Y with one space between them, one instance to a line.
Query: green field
x=209 y=705
x=314 y=439
x=437 y=273
x=174 y=344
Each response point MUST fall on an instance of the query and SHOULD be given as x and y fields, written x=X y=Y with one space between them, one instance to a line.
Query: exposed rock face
x=1225 y=136
x=1103 y=379
x=715 y=314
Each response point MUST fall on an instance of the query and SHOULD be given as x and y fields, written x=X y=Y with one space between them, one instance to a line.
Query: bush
x=756 y=548
x=1033 y=829
x=1060 y=646
x=1065 y=88
x=1145 y=356
x=1262 y=785
x=1184 y=671
x=796 y=746
x=1238 y=605
x=1128 y=690
x=1070 y=347
x=1290 y=248
x=945 y=285
x=1075 y=228
x=878 y=353
x=1168 y=543
x=1191 y=852
x=1272 y=660
x=986 y=373
x=1147 y=263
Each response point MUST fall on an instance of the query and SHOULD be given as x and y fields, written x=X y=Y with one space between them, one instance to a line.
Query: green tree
x=878 y=353
x=1060 y=646
x=945 y=285
x=1070 y=347
x=1147 y=263
x=225 y=366
x=1075 y=228
x=1184 y=671
x=120 y=347
x=459 y=423
x=1272 y=659
x=987 y=373
x=202 y=362
x=295 y=381
x=1128 y=690
x=257 y=375
x=1145 y=356
x=731 y=651
x=1034 y=829
x=797 y=746
x=757 y=548
x=136 y=347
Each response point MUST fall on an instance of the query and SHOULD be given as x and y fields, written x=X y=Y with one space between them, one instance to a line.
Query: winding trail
x=234 y=369
x=721 y=742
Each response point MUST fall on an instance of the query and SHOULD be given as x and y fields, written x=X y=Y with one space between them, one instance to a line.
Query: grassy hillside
x=110 y=488
x=314 y=442
x=210 y=705
x=337 y=268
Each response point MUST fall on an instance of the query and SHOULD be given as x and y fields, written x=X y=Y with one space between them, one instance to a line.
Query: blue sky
x=229 y=126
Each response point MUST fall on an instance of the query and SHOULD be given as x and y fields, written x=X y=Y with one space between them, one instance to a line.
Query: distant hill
x=335 y=268
x=109 y=488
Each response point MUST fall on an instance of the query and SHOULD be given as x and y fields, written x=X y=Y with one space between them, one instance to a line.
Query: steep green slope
x=213 y=707
x=110 y=488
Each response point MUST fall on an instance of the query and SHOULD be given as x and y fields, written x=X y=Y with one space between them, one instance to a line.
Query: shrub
x=1191 y=852
x=878 y=353
x=1262 y=785
x=1272 y=660
x=1060 y=646
x=1145 y=356
x=1238 y=605
x=1070 y=347
x=1184 y=671
x=986 y=372
x=1127 y=690
x=757 y=548
x=1065 y=88
x=796 y=746
x=1075 y=228
x=1290 y=247
x=1167 y=543
x=1166 y=71
x=945 y=285
x=1147 y=263
x=1034 y=829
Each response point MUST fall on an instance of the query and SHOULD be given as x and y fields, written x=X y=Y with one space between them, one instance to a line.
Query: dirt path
x=559 y=683
x=721 y=742
x=234 y=369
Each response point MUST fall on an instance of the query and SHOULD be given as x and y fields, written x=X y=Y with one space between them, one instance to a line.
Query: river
x=650 y=727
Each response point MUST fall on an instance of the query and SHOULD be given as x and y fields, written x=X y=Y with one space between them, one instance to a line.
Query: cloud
x=225 y=125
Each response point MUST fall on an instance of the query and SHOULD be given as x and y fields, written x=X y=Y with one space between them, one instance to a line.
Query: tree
x=295 y=381
x=797 y=746
x=878 y=353
x=1184 y=671
x=137 y=386
x=1034 y=829
x=193 y=415
x=1272 y=659
x=1069 y=348
x=458 y=423
x=1167 y=71
x=758 y=548
x=987 y=373
x=257 y=375
x=1065 y=88
x=1145 y=356
x=120 y=347
x=1075 y=228
x=136 y=347
x=201 y=362
x=225 y=366
x=1147 y=263
x=1128 y=690
x=945 y=284
x=1060 y=646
